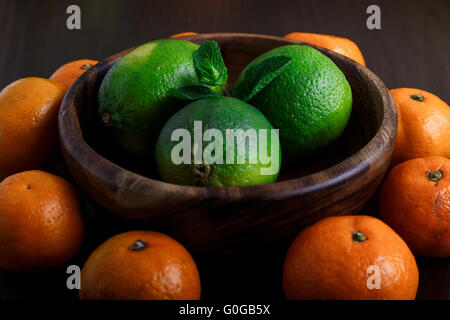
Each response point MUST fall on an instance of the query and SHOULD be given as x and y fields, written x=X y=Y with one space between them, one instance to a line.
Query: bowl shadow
x=334 y=181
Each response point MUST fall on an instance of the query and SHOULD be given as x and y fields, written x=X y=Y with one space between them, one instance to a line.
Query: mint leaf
x=258 y=76
x=193 y=93
x=209 y=64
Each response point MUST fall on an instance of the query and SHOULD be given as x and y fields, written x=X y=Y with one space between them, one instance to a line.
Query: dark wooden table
x=411 y=50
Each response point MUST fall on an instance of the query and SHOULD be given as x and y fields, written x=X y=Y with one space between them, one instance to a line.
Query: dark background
x=411 y=50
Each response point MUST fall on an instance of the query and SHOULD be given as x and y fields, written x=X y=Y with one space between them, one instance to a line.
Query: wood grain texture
x=411 y=50
x=211 y=219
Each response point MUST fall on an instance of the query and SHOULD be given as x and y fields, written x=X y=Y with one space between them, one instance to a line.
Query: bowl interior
x=238 y=52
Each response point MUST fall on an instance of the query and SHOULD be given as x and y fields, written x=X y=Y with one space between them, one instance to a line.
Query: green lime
x=309 y=102
x=134 y=100
x=218 y=141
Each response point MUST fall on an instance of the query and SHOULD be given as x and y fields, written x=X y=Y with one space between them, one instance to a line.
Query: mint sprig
x=193 y=93
x=258 y=76
x=211 y=71
x=209 y=64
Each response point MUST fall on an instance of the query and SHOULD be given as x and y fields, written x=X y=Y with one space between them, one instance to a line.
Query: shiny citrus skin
x=328 y=260
x=28 y=123
x=220 y=113
x=134 y=97
x=183 y=34
x=310 y=102
x=70 y=72
x=340 y=45
x=140 y=265
x=41 y=225
x=415 y=201
x=423 y=125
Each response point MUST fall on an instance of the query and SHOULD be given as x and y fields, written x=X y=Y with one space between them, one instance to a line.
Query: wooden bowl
x=338 y=181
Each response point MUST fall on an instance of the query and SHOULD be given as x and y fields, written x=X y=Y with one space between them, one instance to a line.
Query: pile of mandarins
x=346 y=257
